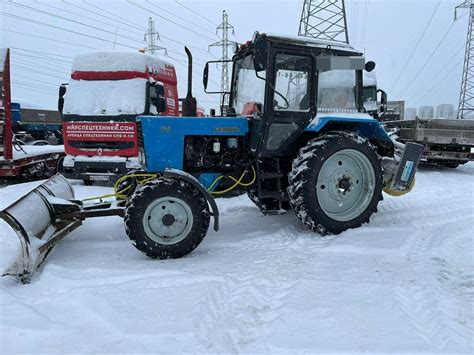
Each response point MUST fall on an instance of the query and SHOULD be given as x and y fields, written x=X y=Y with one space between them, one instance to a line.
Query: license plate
x=99 y=177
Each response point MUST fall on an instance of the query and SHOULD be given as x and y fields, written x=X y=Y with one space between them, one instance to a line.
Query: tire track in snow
x=431 y=310
x=243 y=307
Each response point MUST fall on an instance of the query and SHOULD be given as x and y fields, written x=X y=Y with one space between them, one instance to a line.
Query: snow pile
x=34 y=150
x=402 y=284
x=118 y=61
x=106 y=97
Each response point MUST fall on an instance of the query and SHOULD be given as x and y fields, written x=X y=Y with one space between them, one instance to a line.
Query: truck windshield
x=247 y=86
x=105 y=97
x=336 y=91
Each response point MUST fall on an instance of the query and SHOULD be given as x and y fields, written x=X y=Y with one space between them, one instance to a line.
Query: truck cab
x=99 y=106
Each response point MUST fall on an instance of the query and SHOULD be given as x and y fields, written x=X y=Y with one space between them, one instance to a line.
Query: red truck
x=99 y=106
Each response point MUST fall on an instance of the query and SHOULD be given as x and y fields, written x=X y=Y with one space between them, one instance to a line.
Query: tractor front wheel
x=335 y=182
x=166 y=218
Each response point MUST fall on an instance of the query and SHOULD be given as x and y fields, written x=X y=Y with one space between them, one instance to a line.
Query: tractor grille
x=140 y=135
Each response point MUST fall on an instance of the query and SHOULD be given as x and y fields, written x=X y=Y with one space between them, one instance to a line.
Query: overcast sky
x=387 y=30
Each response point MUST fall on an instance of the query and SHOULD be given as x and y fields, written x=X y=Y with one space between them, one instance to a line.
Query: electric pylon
x=466 y=97
x=324 y=19
x=225 y=43
x=151 y=35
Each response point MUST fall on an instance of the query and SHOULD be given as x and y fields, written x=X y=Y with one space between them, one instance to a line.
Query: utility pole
x=466 y=97
x=151 y=35
x=225 y=43
x=324 y=19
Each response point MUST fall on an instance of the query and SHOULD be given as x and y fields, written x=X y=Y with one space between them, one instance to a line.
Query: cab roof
x=311 y=42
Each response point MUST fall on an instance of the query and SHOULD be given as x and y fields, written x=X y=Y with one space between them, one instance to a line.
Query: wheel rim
x=168 y=220
x=346 y=185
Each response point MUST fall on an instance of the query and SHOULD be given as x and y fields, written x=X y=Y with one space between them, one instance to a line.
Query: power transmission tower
x=466 y=97
x=151 y=35
x=225 y=43
x=324 y=19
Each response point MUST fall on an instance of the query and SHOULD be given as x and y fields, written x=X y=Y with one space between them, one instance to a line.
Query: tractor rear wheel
x=166 y=218
x=335 y=182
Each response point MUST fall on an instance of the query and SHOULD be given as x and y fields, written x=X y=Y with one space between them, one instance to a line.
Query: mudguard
x=179 y=174
x=360 y=123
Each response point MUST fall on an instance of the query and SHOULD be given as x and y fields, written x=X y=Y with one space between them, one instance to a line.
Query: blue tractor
x=295 y=135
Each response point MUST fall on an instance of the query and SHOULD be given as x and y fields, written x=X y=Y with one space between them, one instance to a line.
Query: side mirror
x=62 y=92
x=383 y=99
x=160 y=100
x=157 y=97
x=369 y=66
x=205 y=76
x=260 y=52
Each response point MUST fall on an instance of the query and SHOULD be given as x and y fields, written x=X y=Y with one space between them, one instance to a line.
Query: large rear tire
x=166 y=218
x=335 y=182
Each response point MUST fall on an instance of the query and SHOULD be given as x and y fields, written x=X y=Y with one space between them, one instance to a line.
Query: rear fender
x=181 y=175
x=362 y=124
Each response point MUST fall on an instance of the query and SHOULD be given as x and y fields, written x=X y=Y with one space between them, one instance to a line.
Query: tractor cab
x=283 y=83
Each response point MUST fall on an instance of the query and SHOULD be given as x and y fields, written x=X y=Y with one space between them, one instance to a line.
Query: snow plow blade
x=34 y=219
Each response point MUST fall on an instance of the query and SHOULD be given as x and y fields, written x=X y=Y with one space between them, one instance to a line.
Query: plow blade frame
x=34 y=218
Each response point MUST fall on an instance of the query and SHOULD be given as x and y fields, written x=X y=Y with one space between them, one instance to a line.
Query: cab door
x=290 y=102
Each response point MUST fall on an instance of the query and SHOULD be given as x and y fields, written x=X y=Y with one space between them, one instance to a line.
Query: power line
x=412 y=80
x=168 y=20
x=442 y=80
x=29 y=69
x=179 y=17
x=26 y=62
x=53 y=55
x=49 y=39
x=197 y=13
x=144 y=28
x=63 y=29
x=34 y=89
x=115 y=16
x=410 y=56
x=356 y=27
x=83 y=16
x=439 y=73
x=34 y=85
x=28 y=77
x=364 y=23
x=73 y=21
x=104 y=16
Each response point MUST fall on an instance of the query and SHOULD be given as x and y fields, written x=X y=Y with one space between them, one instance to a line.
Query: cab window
x=292 y=87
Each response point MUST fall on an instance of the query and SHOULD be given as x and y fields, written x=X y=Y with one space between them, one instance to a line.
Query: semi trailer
x=19 y=160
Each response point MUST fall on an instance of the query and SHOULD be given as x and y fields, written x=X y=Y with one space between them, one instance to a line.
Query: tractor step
x=271 y=175
x=278 y=195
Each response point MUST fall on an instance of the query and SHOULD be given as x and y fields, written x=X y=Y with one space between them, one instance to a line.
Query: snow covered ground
x=403 y=283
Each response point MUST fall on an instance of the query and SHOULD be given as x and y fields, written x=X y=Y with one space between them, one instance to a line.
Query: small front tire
x=166 y=218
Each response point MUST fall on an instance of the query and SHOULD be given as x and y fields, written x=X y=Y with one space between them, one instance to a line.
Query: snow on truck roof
x=118 y=61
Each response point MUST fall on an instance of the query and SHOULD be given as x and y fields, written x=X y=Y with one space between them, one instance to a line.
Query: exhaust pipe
x=189 y=103
x=34 y=219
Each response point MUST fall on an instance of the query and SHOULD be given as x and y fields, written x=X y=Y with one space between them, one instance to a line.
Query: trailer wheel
x=166 y=218
x=335 y=182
